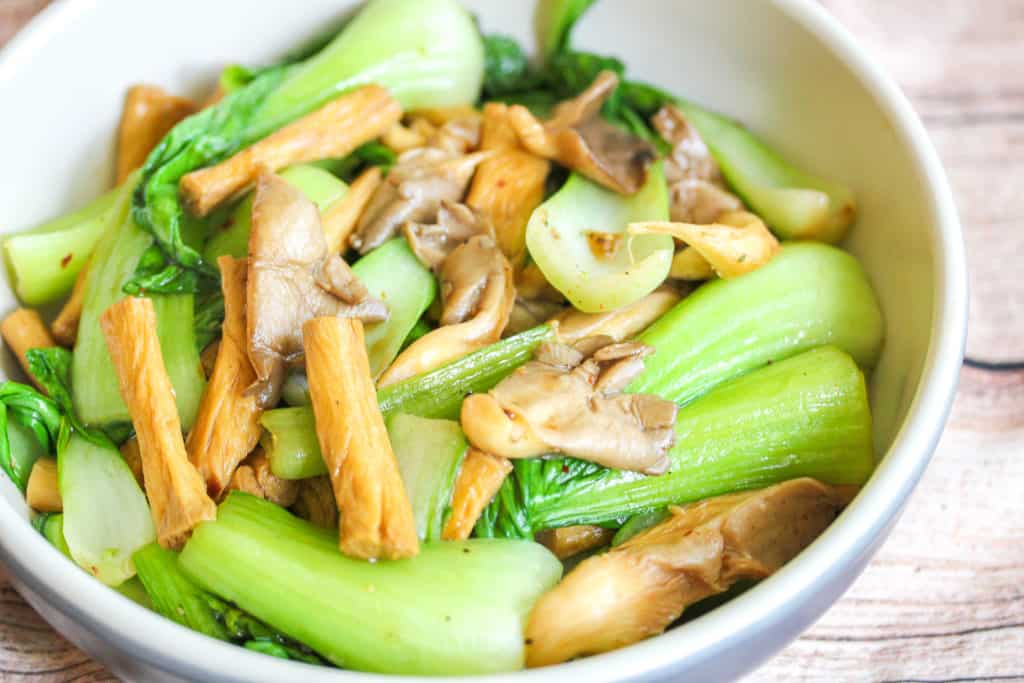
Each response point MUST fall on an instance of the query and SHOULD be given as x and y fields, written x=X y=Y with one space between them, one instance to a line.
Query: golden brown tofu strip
x=227 y=425
x=376 y=517
x=640 y=587
x=573 y=540
x=509 y=185
x=65 y=325
x=480 y=477
x=24 y=330
x=341 y=218
x=42 y=493
x=254 y=477
x=177 y=495
x=148 y=114
x=333 y=130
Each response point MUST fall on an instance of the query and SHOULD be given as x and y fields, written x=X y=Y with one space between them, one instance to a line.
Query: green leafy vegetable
x=29 y=428
x=179 y=599
x=506 y=68
x=807 y=416
x=638 y=524
x=426 y=52
x=553 y=22
x=51 y=526
x=429 y=453
x=456 y=608
x=94 y=385
x=393 y=274
x=807 y=296
x=106 y=516
x=561 y=234
x=45 y=261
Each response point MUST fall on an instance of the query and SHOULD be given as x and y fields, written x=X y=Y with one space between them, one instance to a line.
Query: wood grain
x=944 y=599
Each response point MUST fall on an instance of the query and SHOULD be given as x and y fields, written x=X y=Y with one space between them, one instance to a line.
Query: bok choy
x=456 y=608
x=428 y=53
x=807 y=416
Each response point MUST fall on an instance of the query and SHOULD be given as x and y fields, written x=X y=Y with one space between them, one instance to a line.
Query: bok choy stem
x=97 y=397
x=806 y=416
x=456 y=608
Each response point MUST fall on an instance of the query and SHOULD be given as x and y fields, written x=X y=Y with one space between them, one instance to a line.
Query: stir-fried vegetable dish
x=412 y=354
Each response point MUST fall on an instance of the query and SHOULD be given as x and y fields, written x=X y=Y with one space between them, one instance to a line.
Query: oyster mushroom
x=697 y=192
x=637 y=589
x=478 y=293
x=413 y=191
x=292 y=279
x=579 y=138
x=568 y=400
x=737 y=243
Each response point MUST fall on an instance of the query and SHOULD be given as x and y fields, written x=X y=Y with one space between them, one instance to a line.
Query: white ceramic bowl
x=783 y=66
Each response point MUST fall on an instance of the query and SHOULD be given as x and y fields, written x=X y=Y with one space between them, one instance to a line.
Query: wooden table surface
x=944 y=599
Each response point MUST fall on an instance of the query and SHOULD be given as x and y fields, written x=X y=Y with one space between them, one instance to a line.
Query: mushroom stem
x=227 y=425
x=177 y=495
x=640 y=587
x=333 y=130
x=65 y=325
x=376 y=516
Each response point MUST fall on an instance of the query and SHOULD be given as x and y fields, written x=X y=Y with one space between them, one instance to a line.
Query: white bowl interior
x=762 y=62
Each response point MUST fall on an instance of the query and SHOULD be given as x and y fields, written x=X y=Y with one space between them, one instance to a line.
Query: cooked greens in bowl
x=360 y=350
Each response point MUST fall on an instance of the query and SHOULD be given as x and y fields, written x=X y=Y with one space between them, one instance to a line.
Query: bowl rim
x=156 y=640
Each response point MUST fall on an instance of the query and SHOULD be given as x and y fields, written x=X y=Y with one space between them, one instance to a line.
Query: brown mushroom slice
x=255 y=477
x=65 y=325
x=578 y=137
x=568 y=400
x=333 y=130
x=737 y=244
x=697 y=191
x=455 y=224
x=292 y=279
x=376 y=516
x=508 y=186
x=24 y=330
x=478 y=293
x=690 y=156
x=568 y=541
x=637 y=589
x=148 y=115
x=315 y=502
x=529 y=313
x=227 y=425
x=692 y=200
x=341 y=218
x=413 y=191
x=621 y=324
x=480 y=476
x=177 y=494
x=458 y=136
